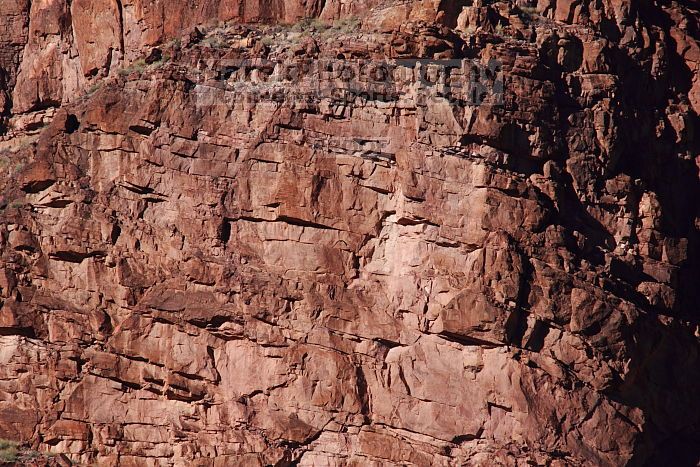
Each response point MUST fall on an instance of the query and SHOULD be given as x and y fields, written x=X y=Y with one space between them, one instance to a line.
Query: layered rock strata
x=478 y=248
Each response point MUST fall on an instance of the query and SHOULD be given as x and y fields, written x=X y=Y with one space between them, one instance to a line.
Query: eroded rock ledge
x=190 y=277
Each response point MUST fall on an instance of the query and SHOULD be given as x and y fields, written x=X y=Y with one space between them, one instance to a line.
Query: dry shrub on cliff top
x=215 y=42
x=529 y=13
x=347 y=25
x=138 y=66
x=93 y=88
x=12 y=453
x=8 y=451
x=310 y=25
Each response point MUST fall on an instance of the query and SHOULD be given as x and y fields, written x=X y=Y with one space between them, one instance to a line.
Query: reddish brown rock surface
x=191 y=277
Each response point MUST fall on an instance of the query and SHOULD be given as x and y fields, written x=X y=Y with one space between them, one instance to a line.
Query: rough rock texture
x=194 y=278
x=68 y=45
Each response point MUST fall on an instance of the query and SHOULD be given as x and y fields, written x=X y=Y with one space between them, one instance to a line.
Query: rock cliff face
x=488 y=256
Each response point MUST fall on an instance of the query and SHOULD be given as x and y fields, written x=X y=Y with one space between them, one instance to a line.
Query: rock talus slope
x=203 y=265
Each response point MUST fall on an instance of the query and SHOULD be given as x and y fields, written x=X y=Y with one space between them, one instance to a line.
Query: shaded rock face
x=195 y=273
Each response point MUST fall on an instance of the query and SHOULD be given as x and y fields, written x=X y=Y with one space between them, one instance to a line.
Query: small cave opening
x=72 y=123
x=115 y=234
x=225 y=231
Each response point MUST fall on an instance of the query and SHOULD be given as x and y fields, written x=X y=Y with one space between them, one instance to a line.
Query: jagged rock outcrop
x=67 y=46
x=211 y=258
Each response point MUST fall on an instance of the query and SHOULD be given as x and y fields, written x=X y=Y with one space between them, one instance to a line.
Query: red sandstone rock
x=191 y=278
